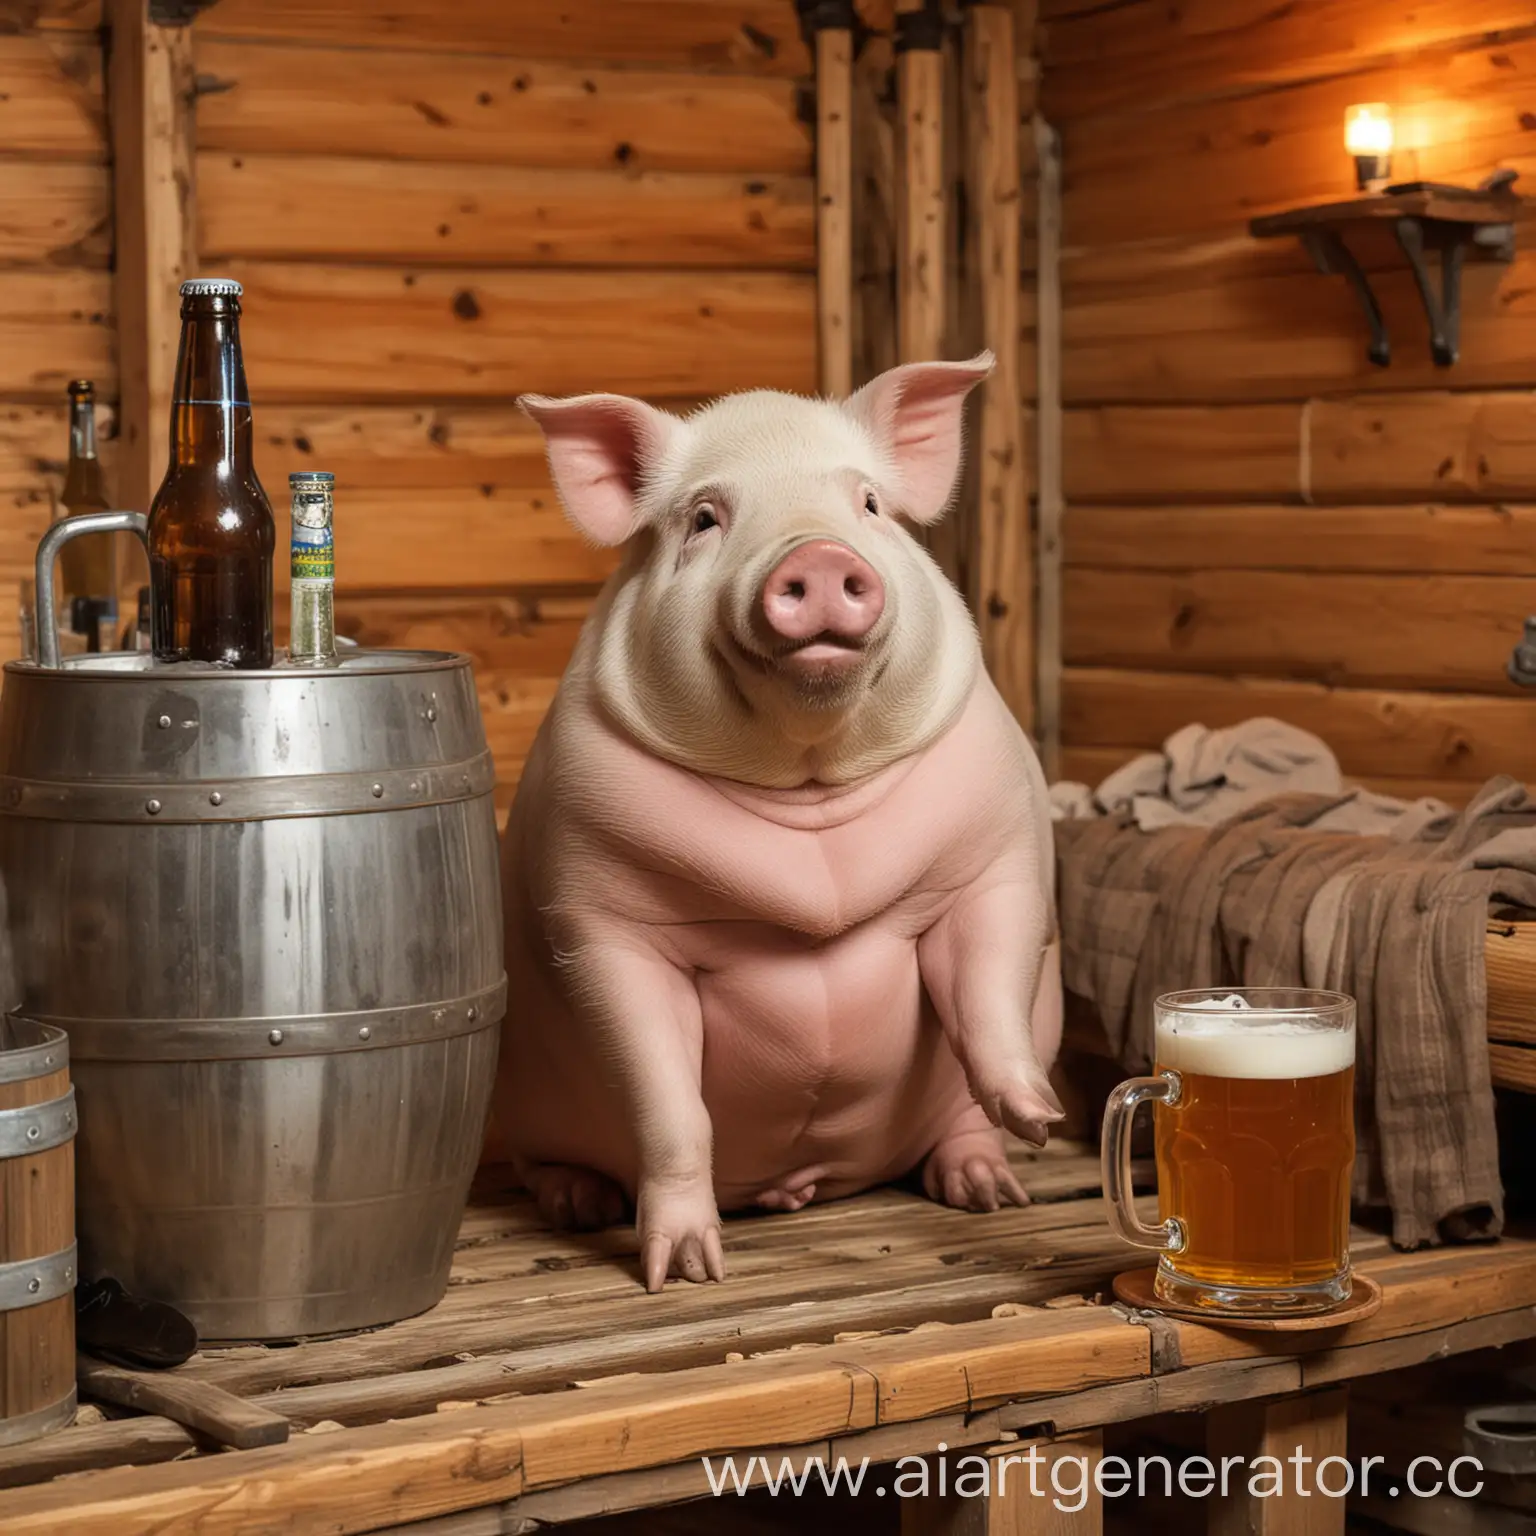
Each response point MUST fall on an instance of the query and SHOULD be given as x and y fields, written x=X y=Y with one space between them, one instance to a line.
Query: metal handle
x=1502 y=1438
x=1115 y=1155
x=53 y=541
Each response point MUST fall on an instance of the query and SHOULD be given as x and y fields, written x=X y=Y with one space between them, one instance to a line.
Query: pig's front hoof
x=679 y=1235
x=1023 y=1107
x=970 y=1172
x=574 y=1199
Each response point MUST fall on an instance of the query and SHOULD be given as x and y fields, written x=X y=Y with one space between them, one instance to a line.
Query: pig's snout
x=822 y=588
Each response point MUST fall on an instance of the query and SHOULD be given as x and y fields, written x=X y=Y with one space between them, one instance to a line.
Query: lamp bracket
x=1427 y=221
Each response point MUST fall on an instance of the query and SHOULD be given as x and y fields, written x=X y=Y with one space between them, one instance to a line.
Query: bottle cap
x=311 y=477
x=80 y=387
x=223 y=287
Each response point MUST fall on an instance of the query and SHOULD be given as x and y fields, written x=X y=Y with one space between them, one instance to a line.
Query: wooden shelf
x=1449 y=205
x=1458 y=223
x=548 y=1386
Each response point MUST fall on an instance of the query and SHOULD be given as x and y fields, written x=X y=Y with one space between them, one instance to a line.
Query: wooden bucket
x=1509 y=952
x=37 y=1231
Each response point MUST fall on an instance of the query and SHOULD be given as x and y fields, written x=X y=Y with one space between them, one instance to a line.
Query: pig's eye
x=704 y=519
x=870 y=504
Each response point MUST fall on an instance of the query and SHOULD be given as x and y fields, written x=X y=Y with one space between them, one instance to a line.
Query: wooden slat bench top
x=874 y=1327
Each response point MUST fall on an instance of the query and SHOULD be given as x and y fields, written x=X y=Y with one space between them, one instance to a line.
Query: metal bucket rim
x=42 y=1421
x=40 y=1057
x=80 y=668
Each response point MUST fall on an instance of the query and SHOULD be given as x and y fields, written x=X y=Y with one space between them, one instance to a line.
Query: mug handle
x=67 y=528
x=1115 y=1162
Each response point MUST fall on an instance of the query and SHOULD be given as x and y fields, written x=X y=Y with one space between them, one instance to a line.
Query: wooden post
x=919 y=181
x=1027 y=1492
x=833 y=23
x=1311 y=1425
x=952 y=540
x=150 y=82
x=1003 y=557
x=1048 y=484
x=921 y=285
x=875 y=198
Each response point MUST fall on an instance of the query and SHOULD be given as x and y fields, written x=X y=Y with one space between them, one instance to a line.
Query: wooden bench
x=548 y=1387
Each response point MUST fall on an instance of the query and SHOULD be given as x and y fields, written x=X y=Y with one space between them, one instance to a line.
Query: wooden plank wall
x=55 y=250
x=436 y=209
x=433 y=211
x=1259 y=521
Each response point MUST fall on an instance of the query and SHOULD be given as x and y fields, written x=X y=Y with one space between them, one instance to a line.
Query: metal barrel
x=266 y=908
x=37 y=1231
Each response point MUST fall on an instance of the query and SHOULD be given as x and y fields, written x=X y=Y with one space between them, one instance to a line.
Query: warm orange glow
x=1368 y=129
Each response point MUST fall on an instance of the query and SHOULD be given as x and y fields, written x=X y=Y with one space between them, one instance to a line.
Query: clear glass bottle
x=312 y=623
x=87 y=566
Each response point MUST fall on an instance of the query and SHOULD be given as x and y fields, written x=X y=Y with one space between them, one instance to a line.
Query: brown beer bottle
x=211 y=533
x=88 y=566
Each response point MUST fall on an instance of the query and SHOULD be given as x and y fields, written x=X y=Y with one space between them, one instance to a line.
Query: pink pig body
x=726 y=993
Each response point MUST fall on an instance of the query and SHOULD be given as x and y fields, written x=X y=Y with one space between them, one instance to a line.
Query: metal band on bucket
x=31 y=1282
x=315 y=1034
x=33 y=1426
x=48 y=1055
x=271 y=797
x=37 y=1127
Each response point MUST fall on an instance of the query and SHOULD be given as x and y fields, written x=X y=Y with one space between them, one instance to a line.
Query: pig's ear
x=602 y=449
x=916 y=413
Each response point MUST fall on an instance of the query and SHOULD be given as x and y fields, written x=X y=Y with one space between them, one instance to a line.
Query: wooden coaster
x=1134 y=1288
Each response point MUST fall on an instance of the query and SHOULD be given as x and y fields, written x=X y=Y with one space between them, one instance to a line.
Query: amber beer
x=1255 y=1156
x=1255 y=1148
x=211 y=531
x=87 y=566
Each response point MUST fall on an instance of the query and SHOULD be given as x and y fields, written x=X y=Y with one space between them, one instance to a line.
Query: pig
x=778 y=876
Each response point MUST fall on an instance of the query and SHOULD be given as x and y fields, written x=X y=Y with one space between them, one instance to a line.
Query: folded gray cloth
x=1202 y=777
x=1281 y=894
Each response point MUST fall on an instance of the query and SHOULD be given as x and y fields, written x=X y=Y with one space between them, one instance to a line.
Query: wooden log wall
x=436 y=210
x=982 y=233
x=432 y=212
x=55 y=251
x=1259 y=521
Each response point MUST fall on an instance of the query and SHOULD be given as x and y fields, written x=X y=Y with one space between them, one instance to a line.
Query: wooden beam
x=1438 y=445
x=1281 y=1496
x=1445 y=632
x=920 y=227
x=150 y=86
x=469 y=107
x=1049 y=452
x=875 y=211
x=834 y=209
x=354 y=208
x=1400 y=540
x=1032 y=1488
x=1004 y=567
x=1384 y=734
x=732 y=37
x=408 y=334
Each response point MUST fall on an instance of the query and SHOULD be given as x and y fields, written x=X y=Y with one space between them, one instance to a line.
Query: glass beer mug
x=1255 y=1141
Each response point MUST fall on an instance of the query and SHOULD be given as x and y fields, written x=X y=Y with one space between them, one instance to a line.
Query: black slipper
x=112 y=1325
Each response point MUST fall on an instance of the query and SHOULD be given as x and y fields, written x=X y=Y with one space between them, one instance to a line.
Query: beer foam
x=1266 y=1046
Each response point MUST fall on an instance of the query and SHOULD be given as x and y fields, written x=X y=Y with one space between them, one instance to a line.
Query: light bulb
x=1368 y=129
x=1368 y=137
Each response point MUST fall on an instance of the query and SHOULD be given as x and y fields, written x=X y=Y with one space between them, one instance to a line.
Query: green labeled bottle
x=211 y=532
x=312 y=612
